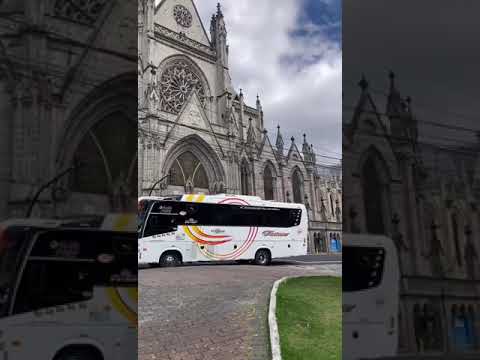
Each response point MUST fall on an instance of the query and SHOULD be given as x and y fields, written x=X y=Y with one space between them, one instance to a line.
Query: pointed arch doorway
x=192 y=166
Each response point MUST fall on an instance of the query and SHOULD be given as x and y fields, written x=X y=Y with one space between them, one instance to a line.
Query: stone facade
x=425 y=197
x=197 y=134
x=65 y=85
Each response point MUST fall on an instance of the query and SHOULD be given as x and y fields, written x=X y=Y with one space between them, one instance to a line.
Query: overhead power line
x=206 y=131
x=432 y=123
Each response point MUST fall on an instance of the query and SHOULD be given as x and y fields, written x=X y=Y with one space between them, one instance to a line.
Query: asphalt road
x=320 y=259
x=212 y=311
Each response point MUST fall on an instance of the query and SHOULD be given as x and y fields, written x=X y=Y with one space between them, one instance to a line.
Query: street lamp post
x=158 y=182
x=46 y=186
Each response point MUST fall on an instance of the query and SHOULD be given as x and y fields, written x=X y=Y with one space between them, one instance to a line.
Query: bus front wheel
x=263 y=257
x=170 y=259
x=79 y=353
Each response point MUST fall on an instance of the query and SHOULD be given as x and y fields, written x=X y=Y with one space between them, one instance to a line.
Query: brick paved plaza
x=214 y=312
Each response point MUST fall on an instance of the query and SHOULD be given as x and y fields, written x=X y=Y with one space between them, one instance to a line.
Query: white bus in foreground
x=68 y=291
x=370 y=281
x=190 y=228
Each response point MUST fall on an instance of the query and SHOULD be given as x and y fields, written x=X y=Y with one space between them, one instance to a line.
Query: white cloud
x=299 y=79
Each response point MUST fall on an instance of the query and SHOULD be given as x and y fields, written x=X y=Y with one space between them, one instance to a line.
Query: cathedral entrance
x=192 y=166
x=188 y=173
x=100 y=141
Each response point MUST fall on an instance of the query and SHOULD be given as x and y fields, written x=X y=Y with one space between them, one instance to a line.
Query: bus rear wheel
x=170 y=259
x=263 y=257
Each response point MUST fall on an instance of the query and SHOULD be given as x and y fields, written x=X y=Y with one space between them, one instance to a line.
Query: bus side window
x=159 y=224
x=52 y=283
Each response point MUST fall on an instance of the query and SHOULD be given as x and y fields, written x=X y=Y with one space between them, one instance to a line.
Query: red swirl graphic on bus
x=198 y=235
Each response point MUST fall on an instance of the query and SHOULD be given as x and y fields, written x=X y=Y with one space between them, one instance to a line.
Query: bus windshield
x=362 y=267
x=65 y=266
x=143 y=206
x=12 y=249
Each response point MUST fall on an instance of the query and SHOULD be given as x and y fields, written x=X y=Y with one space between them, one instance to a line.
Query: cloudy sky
x=434 y=51
x=289 y=52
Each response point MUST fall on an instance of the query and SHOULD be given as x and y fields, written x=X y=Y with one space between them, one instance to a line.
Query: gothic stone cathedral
x=425 y=197
x=65 y=83
x=197 y=135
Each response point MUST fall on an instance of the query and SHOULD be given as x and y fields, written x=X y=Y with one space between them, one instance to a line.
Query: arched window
x=268 y=183
x=297 y=187
x=245 y=178
x=456 y=240
x=187 y=168
x=372 y=197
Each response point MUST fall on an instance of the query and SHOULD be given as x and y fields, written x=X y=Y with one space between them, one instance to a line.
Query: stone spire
x=259 y=111
x=362 y=101
x=242 y=105
x=259 y=104
x=279 y=142
x=218 y=33
x=213 y=28
x=306 y=149
x=394 y=102
x=219 y=10
x=219 y=44
x=363 y=83
x=399 y=111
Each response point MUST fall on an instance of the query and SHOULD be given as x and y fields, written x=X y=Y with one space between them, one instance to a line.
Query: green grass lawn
x=309 y=318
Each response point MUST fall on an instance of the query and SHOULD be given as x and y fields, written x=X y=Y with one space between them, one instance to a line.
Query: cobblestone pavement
x=210 y=312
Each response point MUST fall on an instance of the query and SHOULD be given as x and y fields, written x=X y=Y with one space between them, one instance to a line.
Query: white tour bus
x=370 y=281
x=68 y=290
x=187 y=228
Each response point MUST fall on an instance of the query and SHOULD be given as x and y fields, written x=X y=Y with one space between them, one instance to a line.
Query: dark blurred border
x=68 y=141
x=411 y=169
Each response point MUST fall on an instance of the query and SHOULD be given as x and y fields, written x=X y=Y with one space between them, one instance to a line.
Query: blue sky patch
x=326 y=15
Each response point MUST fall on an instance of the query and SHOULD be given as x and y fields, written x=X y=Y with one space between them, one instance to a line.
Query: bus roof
x=215 y=198
x=111 y=222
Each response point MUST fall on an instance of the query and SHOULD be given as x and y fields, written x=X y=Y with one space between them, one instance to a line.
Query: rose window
x=83 y=11
x=182 y=16
x=176 y=84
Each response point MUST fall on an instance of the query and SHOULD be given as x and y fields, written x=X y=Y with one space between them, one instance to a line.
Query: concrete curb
x=272 y=321
x=272 y=317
